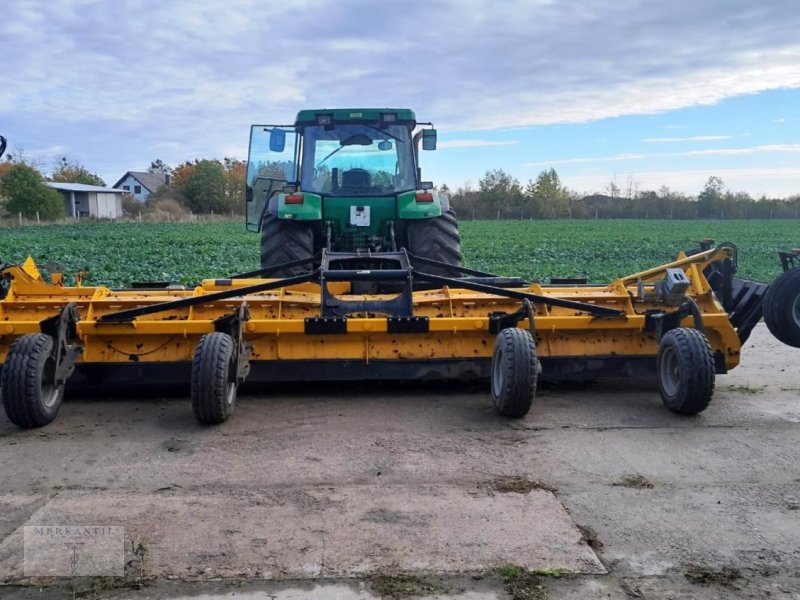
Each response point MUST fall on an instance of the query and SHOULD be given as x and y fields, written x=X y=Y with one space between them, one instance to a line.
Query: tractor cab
x=345 y=180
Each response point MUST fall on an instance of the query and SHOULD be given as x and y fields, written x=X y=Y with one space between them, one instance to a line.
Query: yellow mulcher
x=667 y=321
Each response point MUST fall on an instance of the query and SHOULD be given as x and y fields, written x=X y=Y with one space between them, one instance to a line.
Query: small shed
x=81 y=200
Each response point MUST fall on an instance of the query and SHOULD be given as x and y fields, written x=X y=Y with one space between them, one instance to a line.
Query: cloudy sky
x=645 y=92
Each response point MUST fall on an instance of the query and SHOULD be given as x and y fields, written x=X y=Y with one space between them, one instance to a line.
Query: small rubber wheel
x=214 y=383
x=686 y=371
x=782 y=308
x=515 y=369
x=31 y=397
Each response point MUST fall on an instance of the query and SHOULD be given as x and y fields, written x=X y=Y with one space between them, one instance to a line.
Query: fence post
x=20 y=218
x=38 y=221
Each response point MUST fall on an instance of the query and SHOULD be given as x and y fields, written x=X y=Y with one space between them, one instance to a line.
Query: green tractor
x=347 y=180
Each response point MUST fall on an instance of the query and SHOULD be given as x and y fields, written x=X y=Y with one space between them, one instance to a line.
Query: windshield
x=357 y=159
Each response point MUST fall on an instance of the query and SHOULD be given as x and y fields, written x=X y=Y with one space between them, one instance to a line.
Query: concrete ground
x=350 y=491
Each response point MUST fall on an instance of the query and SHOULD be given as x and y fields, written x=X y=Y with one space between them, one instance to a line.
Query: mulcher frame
x=311 y=327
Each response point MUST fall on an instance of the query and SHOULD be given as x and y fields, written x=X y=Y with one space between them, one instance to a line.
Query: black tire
x=30 y=396
x=782 y=308
x=515 y=369
x=214 y=383
x=438 y=239
x=686 y=371
x=283 y=241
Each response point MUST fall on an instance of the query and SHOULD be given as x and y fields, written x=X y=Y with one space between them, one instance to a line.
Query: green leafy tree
x=710 y=199
x=550 y=199
x=205 y=187
x=500 y=191
x=235 y=174
x=25 y=192
x=67 y=171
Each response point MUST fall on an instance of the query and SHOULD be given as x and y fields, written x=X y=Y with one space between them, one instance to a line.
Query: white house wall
x=131 y=183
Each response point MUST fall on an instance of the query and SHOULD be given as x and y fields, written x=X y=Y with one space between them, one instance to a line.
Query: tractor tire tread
x=21 y=382
x=438 y=239
x=779 y=306
x=284 y=241
x=211 y=377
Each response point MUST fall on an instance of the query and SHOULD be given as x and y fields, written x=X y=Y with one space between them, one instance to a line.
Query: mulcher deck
x=287 y=331
x=404 y=322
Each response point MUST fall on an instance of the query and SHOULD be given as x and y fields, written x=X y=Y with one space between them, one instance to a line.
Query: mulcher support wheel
x=782 y=308
x=515 y=369
x=686 y=371
x=214 y=379
x=31 y=394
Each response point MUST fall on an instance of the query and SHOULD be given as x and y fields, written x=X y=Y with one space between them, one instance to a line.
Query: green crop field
x=117 y=253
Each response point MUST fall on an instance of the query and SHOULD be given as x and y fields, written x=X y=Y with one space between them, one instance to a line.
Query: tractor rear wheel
x=437 y=239
x=515 y=369
x=686 y=371
x=782 y=308
x=31 y=397
x=214 y=382
x=284 y=241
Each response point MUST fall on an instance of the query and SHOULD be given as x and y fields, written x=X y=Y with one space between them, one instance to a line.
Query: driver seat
x=356 y=178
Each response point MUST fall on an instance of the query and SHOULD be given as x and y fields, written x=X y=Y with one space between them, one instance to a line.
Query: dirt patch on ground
x=707 y=576
x=518 y=485
x=396 y=587
x=521 y=584
x=634 y=481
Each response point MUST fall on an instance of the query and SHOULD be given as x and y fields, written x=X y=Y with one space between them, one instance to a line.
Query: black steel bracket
x=659 y=323
x=407 y=325
x=66 y=348
x=233 y=325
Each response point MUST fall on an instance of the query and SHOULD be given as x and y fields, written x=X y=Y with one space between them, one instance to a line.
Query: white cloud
x=475 y=143
x=767 y=148
x=694 y=138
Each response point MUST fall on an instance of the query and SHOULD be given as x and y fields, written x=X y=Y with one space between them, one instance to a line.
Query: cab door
x=271 y=165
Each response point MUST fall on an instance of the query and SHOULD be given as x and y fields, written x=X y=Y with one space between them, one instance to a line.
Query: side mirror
x=385 y=145
x=429 y=139
x=277 y=140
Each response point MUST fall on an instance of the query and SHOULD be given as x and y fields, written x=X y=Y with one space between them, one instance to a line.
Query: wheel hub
x=669 y=371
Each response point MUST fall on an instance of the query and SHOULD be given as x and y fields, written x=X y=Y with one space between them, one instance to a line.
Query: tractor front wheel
x=214 y=382
x=437 y=239
x=31 y=397
x=686 y=371
x=284 y=241
x=515 y=369
x=782 y=308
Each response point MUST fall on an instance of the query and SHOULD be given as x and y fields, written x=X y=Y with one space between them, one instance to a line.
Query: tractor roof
x=356 y=114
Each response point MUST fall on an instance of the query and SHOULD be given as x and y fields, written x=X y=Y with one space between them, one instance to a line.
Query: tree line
x=501 y=196
x=206 y=186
